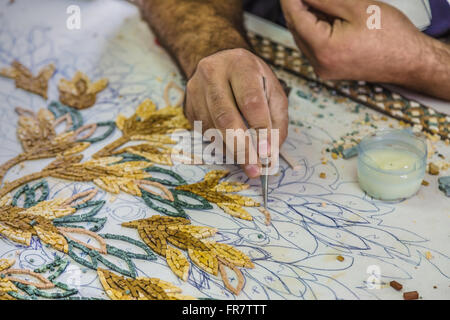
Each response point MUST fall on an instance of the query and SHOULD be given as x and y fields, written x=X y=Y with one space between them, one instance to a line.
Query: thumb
x=303 y=22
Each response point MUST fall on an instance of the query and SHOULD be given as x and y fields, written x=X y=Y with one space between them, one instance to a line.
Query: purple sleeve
x=267 y=9
x=440 y=21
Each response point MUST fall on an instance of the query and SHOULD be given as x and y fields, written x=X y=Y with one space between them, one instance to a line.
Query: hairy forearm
x=193 y=29
x=432 y=72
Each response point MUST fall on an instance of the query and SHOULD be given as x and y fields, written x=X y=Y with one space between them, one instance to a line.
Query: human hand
x=341 y=46
x=226 y=91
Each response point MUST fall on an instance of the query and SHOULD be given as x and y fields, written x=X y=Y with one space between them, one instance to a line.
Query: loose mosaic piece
x=121 y=288
x=160 y=231
x=152 y=126
x=24 y=79
x=372 y=95
x=37 y=134
x=80 y=92
x=444 y=185
x=219 y=193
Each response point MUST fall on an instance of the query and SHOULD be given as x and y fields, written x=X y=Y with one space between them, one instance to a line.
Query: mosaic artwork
x=152 y=126
x=38 y=137
x=93 y=206
x=79 y=92
x=39 y=140
x=24 y=78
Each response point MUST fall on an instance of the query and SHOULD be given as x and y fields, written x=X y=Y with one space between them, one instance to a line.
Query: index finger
x=250 y=91
x=227 y=119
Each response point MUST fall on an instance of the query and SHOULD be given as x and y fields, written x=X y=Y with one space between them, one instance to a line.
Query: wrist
x=207 y=43
x=191 y=30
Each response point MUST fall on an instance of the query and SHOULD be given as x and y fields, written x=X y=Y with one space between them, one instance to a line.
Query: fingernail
x=252 y=170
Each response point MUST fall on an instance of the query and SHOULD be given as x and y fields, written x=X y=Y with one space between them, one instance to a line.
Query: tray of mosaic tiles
x=92 y=207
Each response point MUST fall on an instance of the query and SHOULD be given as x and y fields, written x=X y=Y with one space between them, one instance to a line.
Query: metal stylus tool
x=264 y=180
x=264 y=164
